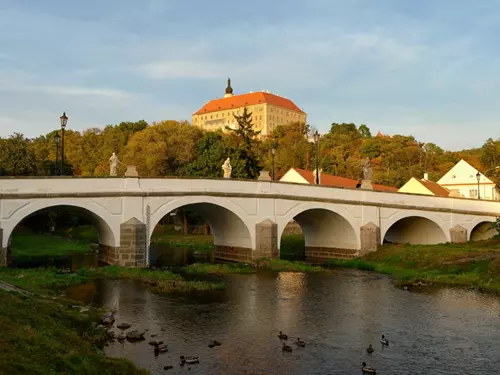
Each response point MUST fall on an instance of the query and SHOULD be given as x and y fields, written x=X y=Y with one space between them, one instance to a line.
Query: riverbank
x=264 y=264
x=41 y=336
x=473 y=265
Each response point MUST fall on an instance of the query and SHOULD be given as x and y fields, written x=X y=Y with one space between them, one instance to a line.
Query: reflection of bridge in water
x=247 y=218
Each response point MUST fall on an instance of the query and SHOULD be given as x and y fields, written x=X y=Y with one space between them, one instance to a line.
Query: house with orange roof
x=302 y=176
x=268 y=111
x=424 y=186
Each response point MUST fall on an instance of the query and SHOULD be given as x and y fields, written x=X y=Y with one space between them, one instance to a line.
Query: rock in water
x=123 y=326
x=135 y=335
x=108 y=319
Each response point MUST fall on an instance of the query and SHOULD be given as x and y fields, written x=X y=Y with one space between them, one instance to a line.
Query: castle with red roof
x=268 y=111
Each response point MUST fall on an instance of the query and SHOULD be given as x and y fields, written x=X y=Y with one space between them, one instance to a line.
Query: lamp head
x=64 y=120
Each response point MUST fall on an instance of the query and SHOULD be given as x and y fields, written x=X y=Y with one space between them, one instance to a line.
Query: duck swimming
x=189 y=360
x=384 y=341
x=300 y=343
x=286 y=348
x=370 y=349
x=282 y=336
x=367 y=369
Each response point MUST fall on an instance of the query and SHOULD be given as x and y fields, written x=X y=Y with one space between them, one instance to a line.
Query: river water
x=338 y=314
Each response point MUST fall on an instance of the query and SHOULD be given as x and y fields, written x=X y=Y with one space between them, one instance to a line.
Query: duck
x=370 y=350
x=300 y=343
x=162 y=348
x=282 y=336
x=189 y=360
x=286 y=348
x=367 y=369
x=168 y=367
x=384 y=341
x=214 y=343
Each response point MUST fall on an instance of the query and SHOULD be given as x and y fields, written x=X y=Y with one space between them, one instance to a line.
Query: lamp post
x=64 y=121
x=316 y=139
x=273 y=151
x=478 y=176
x=57 y=138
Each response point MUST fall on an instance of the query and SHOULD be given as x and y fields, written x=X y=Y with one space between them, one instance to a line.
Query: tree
x=163 y=149
x=16 y=156
x=364 y=131
x=245 y=159
x=211 y=152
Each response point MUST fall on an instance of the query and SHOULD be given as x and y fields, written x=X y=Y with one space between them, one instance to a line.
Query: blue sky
x=427 y=68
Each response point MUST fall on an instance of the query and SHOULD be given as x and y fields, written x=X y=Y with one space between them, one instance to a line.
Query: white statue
x=113 y=164
x=226 y=167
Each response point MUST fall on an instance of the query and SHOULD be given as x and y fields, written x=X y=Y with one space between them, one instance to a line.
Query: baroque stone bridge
x=247 y=218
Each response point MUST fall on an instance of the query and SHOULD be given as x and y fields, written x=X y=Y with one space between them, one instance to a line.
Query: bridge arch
x=417 y=228
x=481 y=230
x=109 y=234
x=323 y=226
x=228 y=222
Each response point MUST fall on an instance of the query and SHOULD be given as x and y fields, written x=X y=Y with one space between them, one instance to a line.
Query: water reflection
x=338 y=315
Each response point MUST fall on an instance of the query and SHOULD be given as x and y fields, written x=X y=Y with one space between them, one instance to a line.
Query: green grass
x=45 y=337
x=163 y=281
x=274 y=265
x=473 y=264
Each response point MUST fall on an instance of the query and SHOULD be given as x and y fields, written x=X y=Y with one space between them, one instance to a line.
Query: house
x=424 y=186
x=462 y=181
x=302 y=176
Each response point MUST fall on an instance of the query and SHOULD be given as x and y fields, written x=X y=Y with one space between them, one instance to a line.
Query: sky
x=424 y=68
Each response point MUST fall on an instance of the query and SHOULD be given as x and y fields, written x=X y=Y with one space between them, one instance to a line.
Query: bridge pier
x=458 y=234
x=132 y=249
x=4 y=252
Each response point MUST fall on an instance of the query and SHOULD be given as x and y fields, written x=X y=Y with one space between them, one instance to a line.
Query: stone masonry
x=3 y=251
x=133 y=243
x=370 y=238
x=266 y=240
x=458 y=234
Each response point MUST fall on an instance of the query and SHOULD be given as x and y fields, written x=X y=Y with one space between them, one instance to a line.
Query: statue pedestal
x=264 y=176
x=366 y=185
x=131 y=171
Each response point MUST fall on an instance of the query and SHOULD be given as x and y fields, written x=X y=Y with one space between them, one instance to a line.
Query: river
x=338 y=314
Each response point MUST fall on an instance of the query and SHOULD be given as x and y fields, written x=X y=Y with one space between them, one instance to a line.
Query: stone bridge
x=247 y=218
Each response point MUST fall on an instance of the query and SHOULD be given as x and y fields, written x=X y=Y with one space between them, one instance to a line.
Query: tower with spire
x=229 y=89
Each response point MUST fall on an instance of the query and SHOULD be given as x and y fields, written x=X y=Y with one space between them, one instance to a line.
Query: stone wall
x=108 y=254
x=370 y=238
x=231 y=253
x=323 y=253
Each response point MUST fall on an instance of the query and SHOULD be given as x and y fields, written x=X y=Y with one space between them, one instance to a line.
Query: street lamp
x=57 y=138
x=478 y=176
x=316 y=139
x=273 y=151
x=64 y=121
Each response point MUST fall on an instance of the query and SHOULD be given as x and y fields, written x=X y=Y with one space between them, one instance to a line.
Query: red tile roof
x=238 y=101
x=337 y=181
x=435 y=188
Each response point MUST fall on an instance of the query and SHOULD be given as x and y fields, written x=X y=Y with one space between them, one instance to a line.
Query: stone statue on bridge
x=113 y=164
x=226 y=167
x=367 y=170
x=366 y=183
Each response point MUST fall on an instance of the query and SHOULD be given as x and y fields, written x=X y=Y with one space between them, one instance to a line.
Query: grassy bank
x=274 y=265
x=43 y=337
x=473 y=264
x=166 y=236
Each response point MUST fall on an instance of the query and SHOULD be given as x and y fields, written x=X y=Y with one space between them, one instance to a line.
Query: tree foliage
x=245 y=160
x=172 y=148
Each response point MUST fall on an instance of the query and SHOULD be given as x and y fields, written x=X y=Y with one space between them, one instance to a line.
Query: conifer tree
x=246 y=161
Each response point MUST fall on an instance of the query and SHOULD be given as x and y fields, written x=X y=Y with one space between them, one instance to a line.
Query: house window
x=473 y=193
x=453 y=176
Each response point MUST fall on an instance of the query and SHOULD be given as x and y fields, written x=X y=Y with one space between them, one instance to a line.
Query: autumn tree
x=163 y=149
x=245 y=161
x=16 y=156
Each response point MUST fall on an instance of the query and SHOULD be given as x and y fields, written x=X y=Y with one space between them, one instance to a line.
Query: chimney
x=426 y=176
